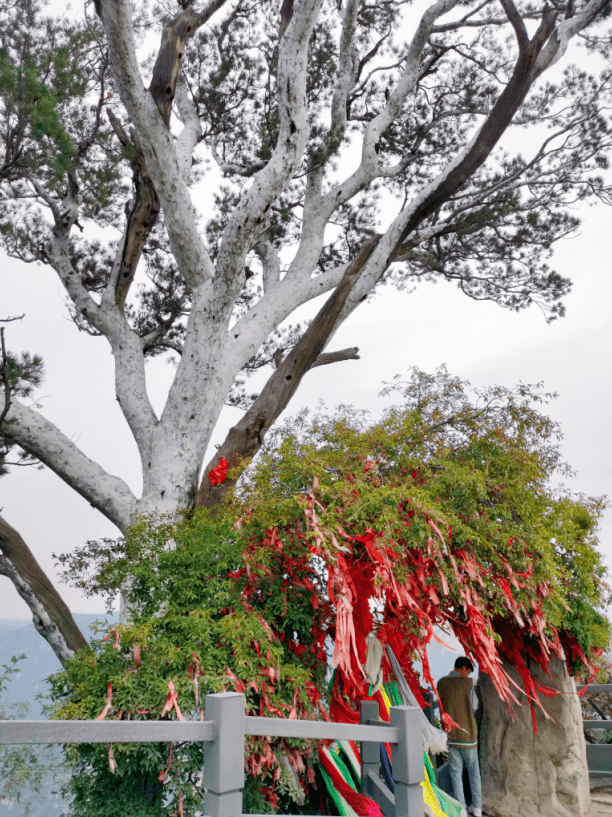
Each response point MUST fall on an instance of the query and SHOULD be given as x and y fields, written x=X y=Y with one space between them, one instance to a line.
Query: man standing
x=455 y=692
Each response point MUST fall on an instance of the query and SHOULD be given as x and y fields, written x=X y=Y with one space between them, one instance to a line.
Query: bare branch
x=40 y=438
x=157 y=143
x=291 y=143
x=324 y=359
x=168 y=63
x=51 y=616
x=556 y=46
x=480 y=147
x=141 y=215
x=368 y=169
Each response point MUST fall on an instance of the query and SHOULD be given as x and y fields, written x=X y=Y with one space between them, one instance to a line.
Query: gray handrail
x=596 y=724
x=596 y=687
x=14 y=731
x=104 y=731
x=223 y=735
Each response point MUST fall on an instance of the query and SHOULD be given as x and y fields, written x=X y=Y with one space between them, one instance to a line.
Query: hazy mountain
x=18 y=637
x=29 y=685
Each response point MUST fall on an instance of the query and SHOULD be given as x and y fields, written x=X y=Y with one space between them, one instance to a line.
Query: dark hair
x=464 y=662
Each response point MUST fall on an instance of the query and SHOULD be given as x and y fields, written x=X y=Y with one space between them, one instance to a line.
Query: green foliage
x=482 y=469
x=25 y=372
x=190 y=627
x=446 y=503
x=33 y=84
x=22 y=373
x=52 y=96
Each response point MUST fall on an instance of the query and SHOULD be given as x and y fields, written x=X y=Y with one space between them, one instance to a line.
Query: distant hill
x=17 y=637
x=29 y=684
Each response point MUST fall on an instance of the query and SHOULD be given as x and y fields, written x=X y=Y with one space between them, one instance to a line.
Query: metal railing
x=223 y=735
x=599 y=755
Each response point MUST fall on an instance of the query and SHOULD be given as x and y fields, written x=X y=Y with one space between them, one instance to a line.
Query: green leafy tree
x=103 y=149
x=441 y=514
x=105 y=152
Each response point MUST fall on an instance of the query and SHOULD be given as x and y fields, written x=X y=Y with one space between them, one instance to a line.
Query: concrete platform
x=601 y=797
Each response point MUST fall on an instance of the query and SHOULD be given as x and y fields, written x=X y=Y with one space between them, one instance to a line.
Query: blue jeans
x=467 y=758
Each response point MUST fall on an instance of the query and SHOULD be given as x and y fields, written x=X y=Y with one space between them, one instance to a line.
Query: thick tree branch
x=517 y=24
x=131 y=384
x=347 y=70
x=157 y=144
x=141 y=215
x=245 y=438
x=51 y=616
x=293 y=134
x=270 y=263
x=191 y=134
x=40 y=438
x=109 y=318
x=293 y=291
x=170 y=55
x=169 y=58
x=557 y=45
x=57 y=252
x=368 y=169
x=479 y=149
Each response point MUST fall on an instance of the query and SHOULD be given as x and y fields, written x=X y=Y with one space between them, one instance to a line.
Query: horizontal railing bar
x=597 y=688
x=14 y=731
x=597 y=724
x=320 y=730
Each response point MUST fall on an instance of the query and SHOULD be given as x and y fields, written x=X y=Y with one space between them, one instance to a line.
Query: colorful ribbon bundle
x=340 y=767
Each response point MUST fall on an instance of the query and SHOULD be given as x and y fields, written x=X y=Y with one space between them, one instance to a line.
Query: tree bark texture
x=51 y=616
x=529 y=775
x=141 y=213
x=169 y=57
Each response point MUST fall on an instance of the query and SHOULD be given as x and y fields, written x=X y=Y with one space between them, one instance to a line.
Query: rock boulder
x=529 y=775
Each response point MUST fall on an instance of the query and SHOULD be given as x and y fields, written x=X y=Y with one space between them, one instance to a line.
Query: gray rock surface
x=529 y=775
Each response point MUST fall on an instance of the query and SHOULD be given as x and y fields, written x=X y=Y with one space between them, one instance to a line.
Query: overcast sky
x=434 y=325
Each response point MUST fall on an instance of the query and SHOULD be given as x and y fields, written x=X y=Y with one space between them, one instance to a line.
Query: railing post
x=368 y=711
x=408 y=764
x=223 y=776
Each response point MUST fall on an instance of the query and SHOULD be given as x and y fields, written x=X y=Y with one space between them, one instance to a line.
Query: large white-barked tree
x=106 y=150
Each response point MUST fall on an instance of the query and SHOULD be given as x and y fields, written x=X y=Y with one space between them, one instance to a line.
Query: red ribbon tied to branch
x=172 y=703
x=109 y=697
x=218 y=474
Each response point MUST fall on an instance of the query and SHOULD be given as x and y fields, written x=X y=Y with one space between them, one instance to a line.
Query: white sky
x=435 y=324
